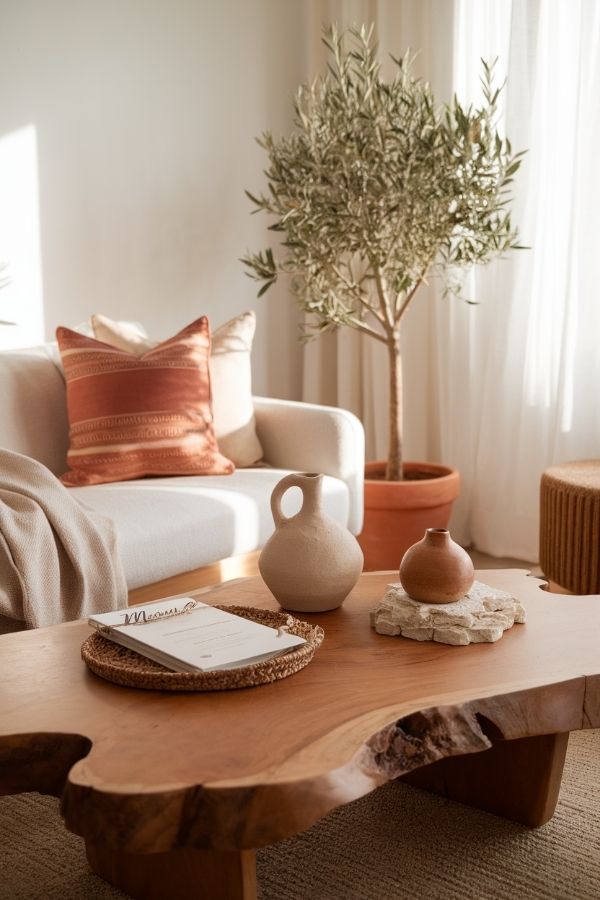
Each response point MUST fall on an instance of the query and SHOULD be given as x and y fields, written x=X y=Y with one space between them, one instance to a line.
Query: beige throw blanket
x=58 y=561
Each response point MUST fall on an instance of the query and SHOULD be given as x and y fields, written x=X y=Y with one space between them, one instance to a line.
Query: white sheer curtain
x=519 y=375
x=503 y=389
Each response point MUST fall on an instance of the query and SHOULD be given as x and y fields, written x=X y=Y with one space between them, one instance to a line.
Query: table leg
x=519 y=780
x=186 y=874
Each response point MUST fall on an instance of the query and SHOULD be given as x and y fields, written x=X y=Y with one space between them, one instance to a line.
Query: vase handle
x=296 y=479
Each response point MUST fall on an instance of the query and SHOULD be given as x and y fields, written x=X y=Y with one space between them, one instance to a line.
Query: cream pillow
x=128 y=336
x=230 y=375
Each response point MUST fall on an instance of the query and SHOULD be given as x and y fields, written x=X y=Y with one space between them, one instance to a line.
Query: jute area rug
x=398 y=842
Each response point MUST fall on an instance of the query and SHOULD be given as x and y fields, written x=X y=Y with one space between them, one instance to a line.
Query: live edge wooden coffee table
x=172 y=792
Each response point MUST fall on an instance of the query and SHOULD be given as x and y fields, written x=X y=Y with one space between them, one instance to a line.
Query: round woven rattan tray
x=122 y=666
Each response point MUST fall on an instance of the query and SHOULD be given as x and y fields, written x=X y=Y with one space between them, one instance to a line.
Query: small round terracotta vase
x=436 y=569
x=311 y=562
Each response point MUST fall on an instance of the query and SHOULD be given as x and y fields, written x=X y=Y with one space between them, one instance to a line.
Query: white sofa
x=169 y=526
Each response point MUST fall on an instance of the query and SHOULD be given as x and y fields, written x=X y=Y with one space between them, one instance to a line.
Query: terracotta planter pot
x=397 y=513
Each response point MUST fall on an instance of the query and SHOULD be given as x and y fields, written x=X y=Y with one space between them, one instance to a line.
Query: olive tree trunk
x=394 y=471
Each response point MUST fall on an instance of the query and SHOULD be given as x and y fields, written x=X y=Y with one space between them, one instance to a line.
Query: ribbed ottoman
x=570 y=525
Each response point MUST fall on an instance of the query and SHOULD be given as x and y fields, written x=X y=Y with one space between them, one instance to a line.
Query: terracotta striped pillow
x=133 y=416
x=234 y=422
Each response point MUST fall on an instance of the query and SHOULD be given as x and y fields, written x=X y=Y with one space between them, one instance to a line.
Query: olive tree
x=378 y=189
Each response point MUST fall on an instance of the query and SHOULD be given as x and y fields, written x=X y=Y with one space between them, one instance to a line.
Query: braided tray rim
x=125 y=667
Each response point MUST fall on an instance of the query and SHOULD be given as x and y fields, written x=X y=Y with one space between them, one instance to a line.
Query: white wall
x=144 y=114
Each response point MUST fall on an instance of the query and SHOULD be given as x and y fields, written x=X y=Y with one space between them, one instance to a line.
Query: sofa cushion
x=230 y=374
x=166 y=526
x=131 y=416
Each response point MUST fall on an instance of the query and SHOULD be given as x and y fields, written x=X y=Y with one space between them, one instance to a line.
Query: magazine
x=186 y=635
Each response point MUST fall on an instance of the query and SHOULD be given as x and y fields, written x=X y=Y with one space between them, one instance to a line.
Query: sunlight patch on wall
x=21 y=299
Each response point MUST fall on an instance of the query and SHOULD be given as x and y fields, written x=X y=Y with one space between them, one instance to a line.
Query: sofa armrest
x=305 y=437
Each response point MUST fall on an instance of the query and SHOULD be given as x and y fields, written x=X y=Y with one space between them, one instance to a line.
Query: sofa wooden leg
x=243 y=566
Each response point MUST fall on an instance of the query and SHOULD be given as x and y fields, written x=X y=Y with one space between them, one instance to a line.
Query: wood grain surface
x=148 y=772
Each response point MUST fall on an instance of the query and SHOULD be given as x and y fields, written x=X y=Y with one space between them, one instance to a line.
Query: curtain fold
x=532 y=342
x=507 y=387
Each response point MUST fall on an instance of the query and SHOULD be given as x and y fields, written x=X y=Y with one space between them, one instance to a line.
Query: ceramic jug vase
x=311 y=563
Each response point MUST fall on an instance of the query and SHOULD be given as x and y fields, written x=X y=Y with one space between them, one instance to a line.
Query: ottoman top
x=583 y=474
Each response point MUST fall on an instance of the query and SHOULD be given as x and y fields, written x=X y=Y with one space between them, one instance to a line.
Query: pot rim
x=441 y=471
x=439 y=490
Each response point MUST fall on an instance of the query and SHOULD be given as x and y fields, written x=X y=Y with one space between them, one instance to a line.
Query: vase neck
x=437 y=537
x=311 y=484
